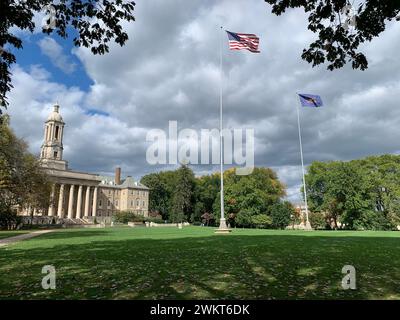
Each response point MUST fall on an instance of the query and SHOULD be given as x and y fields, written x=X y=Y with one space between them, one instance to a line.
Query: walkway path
x=11 y=240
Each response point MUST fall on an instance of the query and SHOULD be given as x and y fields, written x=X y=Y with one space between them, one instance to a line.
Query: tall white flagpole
x=222 y=223
x=308 y=225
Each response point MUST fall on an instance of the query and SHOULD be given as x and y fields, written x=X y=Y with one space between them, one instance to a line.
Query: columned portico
x=94 y=208
x=79 y=203
x=60 y=202
x=71 y=202
x=87 y=200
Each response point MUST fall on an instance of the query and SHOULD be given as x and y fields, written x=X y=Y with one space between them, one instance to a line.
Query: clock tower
x=51 y=155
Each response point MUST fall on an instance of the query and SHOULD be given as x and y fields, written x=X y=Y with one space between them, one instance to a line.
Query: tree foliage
x=93 y=24
x=207 y=189
x=261 y=221
x=250 y=195
x=282 y=214
x=318 y=220
x=22 y=182
x=341 y=29
x=183 y=195
x=248 y=199
x=360 y=194
x=161 y=189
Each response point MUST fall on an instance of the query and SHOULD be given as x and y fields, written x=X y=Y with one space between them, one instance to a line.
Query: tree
x=339 y=189
x=251 y=195
x=22 y=181
x=281 y=214
x=159 y=195
x=383 y=190
x=360 y=194
x=93 y=23
x=207 y=188
x=341 y=28
x=182 y=202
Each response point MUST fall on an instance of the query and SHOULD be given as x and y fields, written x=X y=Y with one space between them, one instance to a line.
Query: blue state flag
x=310 y=100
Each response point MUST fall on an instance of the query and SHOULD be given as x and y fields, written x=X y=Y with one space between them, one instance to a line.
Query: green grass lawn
x=7 y=234
x=194 y=263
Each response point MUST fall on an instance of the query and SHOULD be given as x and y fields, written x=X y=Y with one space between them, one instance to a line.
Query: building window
x=131 y=203
x=100 y=203
x=144 y=203
x=108 y=203
x=57 y=132
x=55 y=154
x=116 y=203
x=137 y=202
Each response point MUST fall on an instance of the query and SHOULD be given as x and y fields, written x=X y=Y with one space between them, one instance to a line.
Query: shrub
x=261 y=221
x=318 y=220
x=127 y=216
x=154 y=219
x=373 y=220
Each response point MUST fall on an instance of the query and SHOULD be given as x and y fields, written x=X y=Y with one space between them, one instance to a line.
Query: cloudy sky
x=169 y=70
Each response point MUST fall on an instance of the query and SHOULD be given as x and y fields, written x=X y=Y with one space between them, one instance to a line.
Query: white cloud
x=54 y=52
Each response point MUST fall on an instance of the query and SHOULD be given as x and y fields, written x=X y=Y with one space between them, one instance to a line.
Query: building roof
x=129 y=182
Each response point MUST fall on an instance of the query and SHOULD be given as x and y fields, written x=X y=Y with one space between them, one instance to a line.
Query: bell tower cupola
x=51 y=154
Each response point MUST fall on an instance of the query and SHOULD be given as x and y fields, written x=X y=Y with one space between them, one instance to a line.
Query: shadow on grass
x=233 y=267
x=72 y=233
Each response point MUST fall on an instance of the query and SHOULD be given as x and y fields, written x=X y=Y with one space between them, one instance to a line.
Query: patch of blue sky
x=31 y=54
x=93 y=112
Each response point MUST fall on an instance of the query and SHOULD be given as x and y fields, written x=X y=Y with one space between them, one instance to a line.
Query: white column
x=79 y=204
x=51 y=206
x=60 y=202
x=94 y=209
x=87 y=199
x=71 y=202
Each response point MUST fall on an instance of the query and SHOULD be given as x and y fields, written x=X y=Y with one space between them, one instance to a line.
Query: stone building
x=79 y=196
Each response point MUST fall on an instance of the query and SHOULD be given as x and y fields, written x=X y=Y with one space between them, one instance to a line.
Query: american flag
x=238 y=41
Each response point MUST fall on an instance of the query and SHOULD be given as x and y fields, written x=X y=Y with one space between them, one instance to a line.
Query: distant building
x=80 y=195
x=301 y=212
